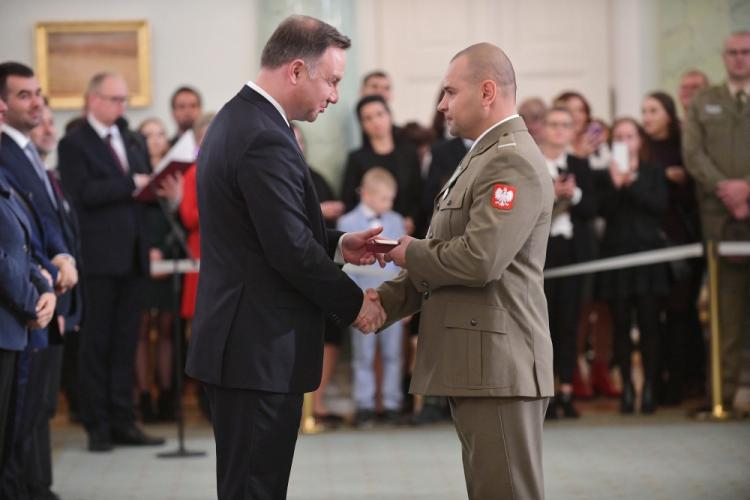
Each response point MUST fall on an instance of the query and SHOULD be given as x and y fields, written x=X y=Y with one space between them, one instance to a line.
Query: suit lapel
x=101 y=149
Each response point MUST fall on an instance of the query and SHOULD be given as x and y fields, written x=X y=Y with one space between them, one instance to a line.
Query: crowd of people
x=80 y=309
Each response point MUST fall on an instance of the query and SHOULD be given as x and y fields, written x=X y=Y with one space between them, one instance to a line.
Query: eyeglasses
x=737 y=52
x=115 y=99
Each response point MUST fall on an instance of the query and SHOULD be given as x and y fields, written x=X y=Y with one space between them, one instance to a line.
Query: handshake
x=372 y=316
x=356 y=248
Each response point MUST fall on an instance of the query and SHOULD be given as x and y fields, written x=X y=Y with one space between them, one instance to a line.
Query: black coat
x=267 y=278
x=113 y=241
x=403 y=163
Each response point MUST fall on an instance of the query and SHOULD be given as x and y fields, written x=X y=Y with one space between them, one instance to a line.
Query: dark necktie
x=108 y=140
x=41 y=172
x=741 y=97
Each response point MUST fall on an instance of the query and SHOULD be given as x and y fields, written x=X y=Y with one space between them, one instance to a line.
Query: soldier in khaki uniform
x=716 y=148
x=484 y=337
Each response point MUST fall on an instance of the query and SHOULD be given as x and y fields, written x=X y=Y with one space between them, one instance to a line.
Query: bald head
x=488 y=62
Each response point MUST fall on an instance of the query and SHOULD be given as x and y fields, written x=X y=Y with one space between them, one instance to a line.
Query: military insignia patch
x=503 y=196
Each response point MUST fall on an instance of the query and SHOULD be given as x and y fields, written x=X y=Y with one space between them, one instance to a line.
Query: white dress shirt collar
x=270 y=99
x=506 y=119
x=733 y=89
x=101 y=129
x=17 y=136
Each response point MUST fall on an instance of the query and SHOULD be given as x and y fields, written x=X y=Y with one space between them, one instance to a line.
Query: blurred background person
x=589 y=140
x=381 y=149
x=717 y=154
x=187 y=106
x=156 y=326
x=377 y=193
x=569 y=243
x=376 y=82
x=682 y=340
x=633 y=206
x=533 y=111
x=102 y=163
x=691 y=82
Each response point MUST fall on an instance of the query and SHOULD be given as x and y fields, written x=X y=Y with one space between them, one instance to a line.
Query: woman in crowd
x=590 y=140
x=682 y=341
x=381 y=149
x=633 y=204
x=157 y=295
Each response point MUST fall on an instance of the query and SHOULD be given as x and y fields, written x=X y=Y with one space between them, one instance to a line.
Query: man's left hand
x=354 y=248
x=398 y=254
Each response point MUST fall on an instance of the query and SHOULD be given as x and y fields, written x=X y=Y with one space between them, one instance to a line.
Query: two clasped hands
x=354 y=249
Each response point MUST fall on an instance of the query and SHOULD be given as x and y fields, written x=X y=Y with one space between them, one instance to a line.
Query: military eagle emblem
x=503 y=196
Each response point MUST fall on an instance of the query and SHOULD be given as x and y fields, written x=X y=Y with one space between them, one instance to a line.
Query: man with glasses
x=102 y=163
x=717 y=154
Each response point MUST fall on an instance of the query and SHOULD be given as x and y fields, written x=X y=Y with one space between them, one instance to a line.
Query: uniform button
x=473 y=322
x=426 y=295
x=448 y=202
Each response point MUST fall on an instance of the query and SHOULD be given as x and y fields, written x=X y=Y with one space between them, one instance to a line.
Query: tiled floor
x=599 y=456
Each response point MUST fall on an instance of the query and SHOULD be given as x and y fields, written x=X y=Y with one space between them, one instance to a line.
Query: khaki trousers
x=734 y=301
x=501 y=441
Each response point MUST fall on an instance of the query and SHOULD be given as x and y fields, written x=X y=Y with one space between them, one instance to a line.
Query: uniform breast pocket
x=449 y=219
x=477 y=352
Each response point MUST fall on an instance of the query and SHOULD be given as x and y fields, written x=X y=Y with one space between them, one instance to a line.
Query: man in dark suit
x=26 y=301
x=101 y=164
x=267 y=277
x=570 y=241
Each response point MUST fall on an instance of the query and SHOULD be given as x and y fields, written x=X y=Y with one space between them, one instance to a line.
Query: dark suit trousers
x=7 y=371
x=255 y=434
x=107 y=351
x=31 y=417
x=564 y=304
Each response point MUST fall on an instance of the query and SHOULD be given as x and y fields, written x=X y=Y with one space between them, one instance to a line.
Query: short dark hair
x=378 y=73
x=301 y=37
x=369 y=99
x=11 y=68
x=185 y=89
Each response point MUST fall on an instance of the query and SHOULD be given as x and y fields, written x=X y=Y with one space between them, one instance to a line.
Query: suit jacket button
x=473 y=322
x=25 y=249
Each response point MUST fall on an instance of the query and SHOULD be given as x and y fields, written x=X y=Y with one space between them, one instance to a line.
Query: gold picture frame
x=68 y=54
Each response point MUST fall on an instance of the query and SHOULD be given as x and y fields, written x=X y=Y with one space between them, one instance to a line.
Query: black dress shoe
x=133 y=436
x=627 y=398
x=100 y=441
x=648 y=399
x=45 y=495
x=551 y=413
x=566 y=405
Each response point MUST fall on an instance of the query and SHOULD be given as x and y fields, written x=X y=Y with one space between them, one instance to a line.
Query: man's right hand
x=371 y=316
x=45 y=310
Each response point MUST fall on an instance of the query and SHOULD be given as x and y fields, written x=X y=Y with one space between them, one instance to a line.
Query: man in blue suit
x=26 y=296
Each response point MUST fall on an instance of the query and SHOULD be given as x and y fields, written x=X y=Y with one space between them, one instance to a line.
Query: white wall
x=554 y=46
x=211 y=45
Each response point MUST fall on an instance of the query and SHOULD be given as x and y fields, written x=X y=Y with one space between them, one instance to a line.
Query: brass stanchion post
x=717 y=408
x=308 y=425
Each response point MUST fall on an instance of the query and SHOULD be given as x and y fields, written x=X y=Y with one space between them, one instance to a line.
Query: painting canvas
x=70 y=53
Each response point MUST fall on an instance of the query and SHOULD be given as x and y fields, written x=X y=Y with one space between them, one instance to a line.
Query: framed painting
x=68 y=54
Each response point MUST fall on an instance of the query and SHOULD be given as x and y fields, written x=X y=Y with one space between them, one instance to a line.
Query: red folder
x=381 y=245
x=148 y=193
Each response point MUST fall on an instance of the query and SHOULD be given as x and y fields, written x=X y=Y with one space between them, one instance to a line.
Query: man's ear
x=489 y=92
x=294 y=72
